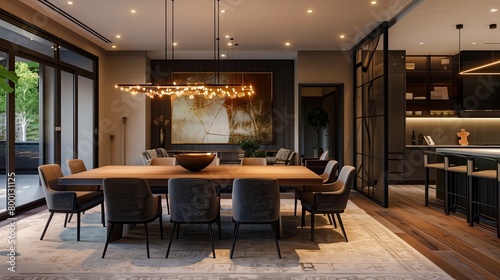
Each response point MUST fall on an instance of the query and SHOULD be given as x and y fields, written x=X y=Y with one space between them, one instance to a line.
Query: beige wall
x=330 y=67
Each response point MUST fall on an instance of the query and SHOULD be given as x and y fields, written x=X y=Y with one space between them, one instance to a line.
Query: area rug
x=373 y=252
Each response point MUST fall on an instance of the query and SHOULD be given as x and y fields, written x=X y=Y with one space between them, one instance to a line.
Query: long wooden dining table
x=287 y=175
x=222 y=174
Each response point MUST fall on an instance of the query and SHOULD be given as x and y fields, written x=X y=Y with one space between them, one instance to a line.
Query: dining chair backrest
x=216 y=161
x=342 y=189
x=193 y=200
x=253 y=161
x=170 y=161
x=128 y=200
x=256 y=200
x=76 y=165
x=49 y=176
x=324 y=155
x=330 y=173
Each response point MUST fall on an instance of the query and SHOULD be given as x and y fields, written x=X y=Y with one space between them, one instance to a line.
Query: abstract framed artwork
x=223 y=120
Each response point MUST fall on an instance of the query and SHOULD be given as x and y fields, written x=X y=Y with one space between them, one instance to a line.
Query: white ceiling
x=261 y=27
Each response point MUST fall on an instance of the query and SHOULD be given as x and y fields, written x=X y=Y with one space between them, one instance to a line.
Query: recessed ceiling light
x=309 y=11
x=421 y=43
x=118 y=36
x=175 y=44
x=373 y=2
x=474 y=43
x=114 y=47
x=223 y=55
x=229 y=44
x=227 y=36
x=342 y=36
x=133 y=11
x=222 y=11
x=287 y=44
x=494 y=10
x=70 y=2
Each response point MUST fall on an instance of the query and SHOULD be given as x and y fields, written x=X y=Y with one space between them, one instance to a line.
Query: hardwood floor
x=463 y=252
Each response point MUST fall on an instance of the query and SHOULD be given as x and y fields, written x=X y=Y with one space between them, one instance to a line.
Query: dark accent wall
x=283 y=74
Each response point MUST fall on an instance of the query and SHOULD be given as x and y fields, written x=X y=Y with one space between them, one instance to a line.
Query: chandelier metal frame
x=208 y=91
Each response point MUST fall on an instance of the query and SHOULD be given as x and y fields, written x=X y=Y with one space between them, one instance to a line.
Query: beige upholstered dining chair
x=253 y=161
x=256 y=201
x=168 y=161
x=193 y=201
x=130 y=201
x=329 y=176
x=61 y=200
x=333 y=201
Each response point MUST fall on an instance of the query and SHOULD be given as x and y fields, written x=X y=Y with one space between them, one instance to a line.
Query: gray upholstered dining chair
x=130 y=201
x=193 y=201
x=168 y=161
x=253 y=161
x=333 y=201
x=256 y=201
x=60 y=200
x=76 y=166
x=329 y=175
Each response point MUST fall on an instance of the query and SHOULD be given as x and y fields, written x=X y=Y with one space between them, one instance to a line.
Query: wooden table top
x=222 y=174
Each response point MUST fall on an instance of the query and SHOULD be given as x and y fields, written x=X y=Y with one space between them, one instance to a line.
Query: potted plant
x=249 y=146
x=317 y=118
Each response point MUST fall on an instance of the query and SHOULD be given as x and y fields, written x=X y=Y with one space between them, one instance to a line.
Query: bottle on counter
x=413 y=138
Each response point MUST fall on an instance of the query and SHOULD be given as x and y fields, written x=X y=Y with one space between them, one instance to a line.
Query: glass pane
x=27 y=131
x=26 y=39
x=67 y=94
x=85 y=121
x=75 y=59
x=4 y=61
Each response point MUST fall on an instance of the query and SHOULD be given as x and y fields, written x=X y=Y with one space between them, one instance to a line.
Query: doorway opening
x=329 y=97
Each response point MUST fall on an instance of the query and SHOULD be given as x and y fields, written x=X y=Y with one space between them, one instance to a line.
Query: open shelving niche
x=431 y=86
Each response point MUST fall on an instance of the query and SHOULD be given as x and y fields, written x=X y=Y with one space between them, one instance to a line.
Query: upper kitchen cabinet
x=431 y=85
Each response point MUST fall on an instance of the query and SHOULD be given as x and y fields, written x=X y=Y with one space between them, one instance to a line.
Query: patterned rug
x=373 y=252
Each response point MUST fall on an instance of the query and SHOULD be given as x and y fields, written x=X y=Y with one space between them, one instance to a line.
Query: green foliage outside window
x=26 y=102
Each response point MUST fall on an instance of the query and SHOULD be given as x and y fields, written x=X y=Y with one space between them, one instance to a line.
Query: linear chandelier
x=176 y=90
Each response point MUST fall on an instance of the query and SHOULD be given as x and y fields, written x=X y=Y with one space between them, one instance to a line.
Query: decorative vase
x=162 y=137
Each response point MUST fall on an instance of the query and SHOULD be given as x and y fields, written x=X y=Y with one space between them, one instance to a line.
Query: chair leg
x=147 y=238
x=303 y=218
x=236 y=227
x=211 y=239
x=446 y=193
x=78 y=226
x=67 y=218
x=171 y=238
x=312 y=226
x=47 y=225
x=426 y=188
x=275 y=233
x=103 y=220
x=342 y=227
x=107 y=240
x=168 y=206
x=295 y=208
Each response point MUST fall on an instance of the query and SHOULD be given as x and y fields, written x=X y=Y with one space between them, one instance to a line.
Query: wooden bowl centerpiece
x=195 y=161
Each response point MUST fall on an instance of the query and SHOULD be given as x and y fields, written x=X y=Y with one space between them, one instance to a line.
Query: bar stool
x=456 y=164
x=490 y=172
x=437 y=163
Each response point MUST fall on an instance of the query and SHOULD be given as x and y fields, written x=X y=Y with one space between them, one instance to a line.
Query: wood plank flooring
x=463 y=252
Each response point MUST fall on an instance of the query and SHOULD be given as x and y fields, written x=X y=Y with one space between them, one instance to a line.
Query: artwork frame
x=223 y=121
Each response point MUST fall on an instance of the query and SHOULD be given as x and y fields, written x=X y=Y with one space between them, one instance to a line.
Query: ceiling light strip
x=74 y=20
